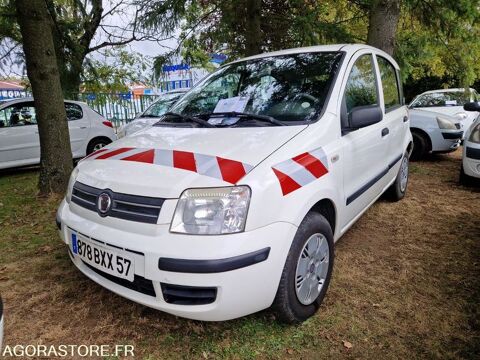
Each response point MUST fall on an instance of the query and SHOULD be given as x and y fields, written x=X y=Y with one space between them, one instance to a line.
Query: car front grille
x=124 y=206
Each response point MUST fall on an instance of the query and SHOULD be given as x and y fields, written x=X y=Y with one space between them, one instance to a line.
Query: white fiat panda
x=233 y=201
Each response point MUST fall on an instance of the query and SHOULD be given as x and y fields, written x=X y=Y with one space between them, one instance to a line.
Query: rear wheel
x=420 y=146
x=307 y=271
x=96 y=144
x=398 y=189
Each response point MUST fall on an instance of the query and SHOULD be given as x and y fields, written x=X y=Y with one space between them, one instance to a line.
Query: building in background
x=12 y=89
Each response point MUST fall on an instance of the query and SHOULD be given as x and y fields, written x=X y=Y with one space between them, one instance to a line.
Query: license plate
x=106 y=260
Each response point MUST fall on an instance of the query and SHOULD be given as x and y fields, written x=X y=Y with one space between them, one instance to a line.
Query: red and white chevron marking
x=301 y=170
x=213 y=166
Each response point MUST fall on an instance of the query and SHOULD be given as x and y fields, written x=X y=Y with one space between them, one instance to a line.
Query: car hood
x=162 y=162
x=451 y=111
x=421 y=114
x=139 y=124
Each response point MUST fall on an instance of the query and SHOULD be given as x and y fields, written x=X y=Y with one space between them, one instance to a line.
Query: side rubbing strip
x=372 y=182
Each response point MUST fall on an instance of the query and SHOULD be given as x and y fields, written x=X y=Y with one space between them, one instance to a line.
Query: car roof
x=29 y=98
x=351 y=48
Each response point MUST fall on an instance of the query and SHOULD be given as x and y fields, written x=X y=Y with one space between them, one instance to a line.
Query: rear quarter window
x=74 y=111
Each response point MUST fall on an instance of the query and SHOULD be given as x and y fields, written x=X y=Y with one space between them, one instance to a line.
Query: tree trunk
x=383 y=21
x=253 y=31
x=42 y=70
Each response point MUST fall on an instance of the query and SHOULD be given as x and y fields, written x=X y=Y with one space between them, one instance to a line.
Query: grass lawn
x=406 y=284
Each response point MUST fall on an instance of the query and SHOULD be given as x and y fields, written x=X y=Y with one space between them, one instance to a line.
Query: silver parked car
x=152 y=114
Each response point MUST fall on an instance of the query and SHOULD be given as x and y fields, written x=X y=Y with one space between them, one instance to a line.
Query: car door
x=79 y=127
x=395 y=113
x=19 y=141
x=364 y=149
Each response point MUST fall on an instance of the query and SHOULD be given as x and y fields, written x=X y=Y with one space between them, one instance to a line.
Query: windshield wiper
x=245 y=116
x=190 y=118
x=148 y=116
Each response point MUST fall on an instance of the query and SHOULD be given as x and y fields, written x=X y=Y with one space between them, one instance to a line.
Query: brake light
x=107 y=123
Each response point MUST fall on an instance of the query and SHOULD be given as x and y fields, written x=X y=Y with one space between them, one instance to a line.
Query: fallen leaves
x=347 y=344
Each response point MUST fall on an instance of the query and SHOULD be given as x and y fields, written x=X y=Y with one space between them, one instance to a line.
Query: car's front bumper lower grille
x=124 y=206
x=188 y=295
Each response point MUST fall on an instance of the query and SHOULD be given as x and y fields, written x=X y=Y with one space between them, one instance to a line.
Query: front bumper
x=241 y=271
x=471 y=159
x=445 y=140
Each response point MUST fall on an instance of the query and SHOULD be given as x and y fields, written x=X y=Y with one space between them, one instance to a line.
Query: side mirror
x=364 y=116
x=472 y=106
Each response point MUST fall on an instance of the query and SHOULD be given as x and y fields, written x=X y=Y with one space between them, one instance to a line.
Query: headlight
x=475 y=134
x=444 y=123
x=73 y=178
x=212 y=211
x=461 y=115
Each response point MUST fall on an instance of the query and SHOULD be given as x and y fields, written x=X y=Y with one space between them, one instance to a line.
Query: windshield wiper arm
x=242 y=115
x=190 y=118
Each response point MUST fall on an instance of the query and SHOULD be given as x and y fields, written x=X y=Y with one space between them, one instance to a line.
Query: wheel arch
x=101 y=137
x=424 y=134
x=327 y=208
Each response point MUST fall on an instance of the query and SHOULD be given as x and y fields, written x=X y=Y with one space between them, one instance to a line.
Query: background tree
x=56 y=154
x=79 y=28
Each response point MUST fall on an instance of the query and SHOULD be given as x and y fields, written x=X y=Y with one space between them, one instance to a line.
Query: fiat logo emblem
x=104 y=203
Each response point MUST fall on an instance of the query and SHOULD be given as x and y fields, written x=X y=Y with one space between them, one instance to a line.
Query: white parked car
x=470 y=170
x=19 y=141
x=434 y=132
x=152 y=114
x=448 y=102
x=232 y=203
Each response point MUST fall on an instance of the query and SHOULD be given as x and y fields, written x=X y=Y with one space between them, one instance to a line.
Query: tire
x=398 y=189
x=96 y=144
x=420 y=146
x=466 y=180
x=287 y=305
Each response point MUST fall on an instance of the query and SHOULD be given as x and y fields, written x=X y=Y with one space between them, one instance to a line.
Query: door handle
x=83 y=127
x=405 y=118
x=385 y=132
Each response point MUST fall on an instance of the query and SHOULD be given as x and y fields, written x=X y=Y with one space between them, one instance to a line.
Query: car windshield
x=288 y=88
x=450 y=98
x=161 y=106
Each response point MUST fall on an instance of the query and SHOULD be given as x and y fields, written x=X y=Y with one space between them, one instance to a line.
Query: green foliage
x=435 y=38
x=115 y=70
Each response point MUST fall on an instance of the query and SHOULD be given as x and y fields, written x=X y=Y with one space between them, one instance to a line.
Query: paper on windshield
x=236 y=104
x=451 y=102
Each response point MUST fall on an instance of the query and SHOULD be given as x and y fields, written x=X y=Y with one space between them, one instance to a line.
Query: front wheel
x=307 y=271
x=465 y=180
x=420 y=146
x=398 y=189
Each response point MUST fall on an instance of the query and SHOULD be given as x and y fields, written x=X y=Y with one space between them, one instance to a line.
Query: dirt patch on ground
x=406 y=284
